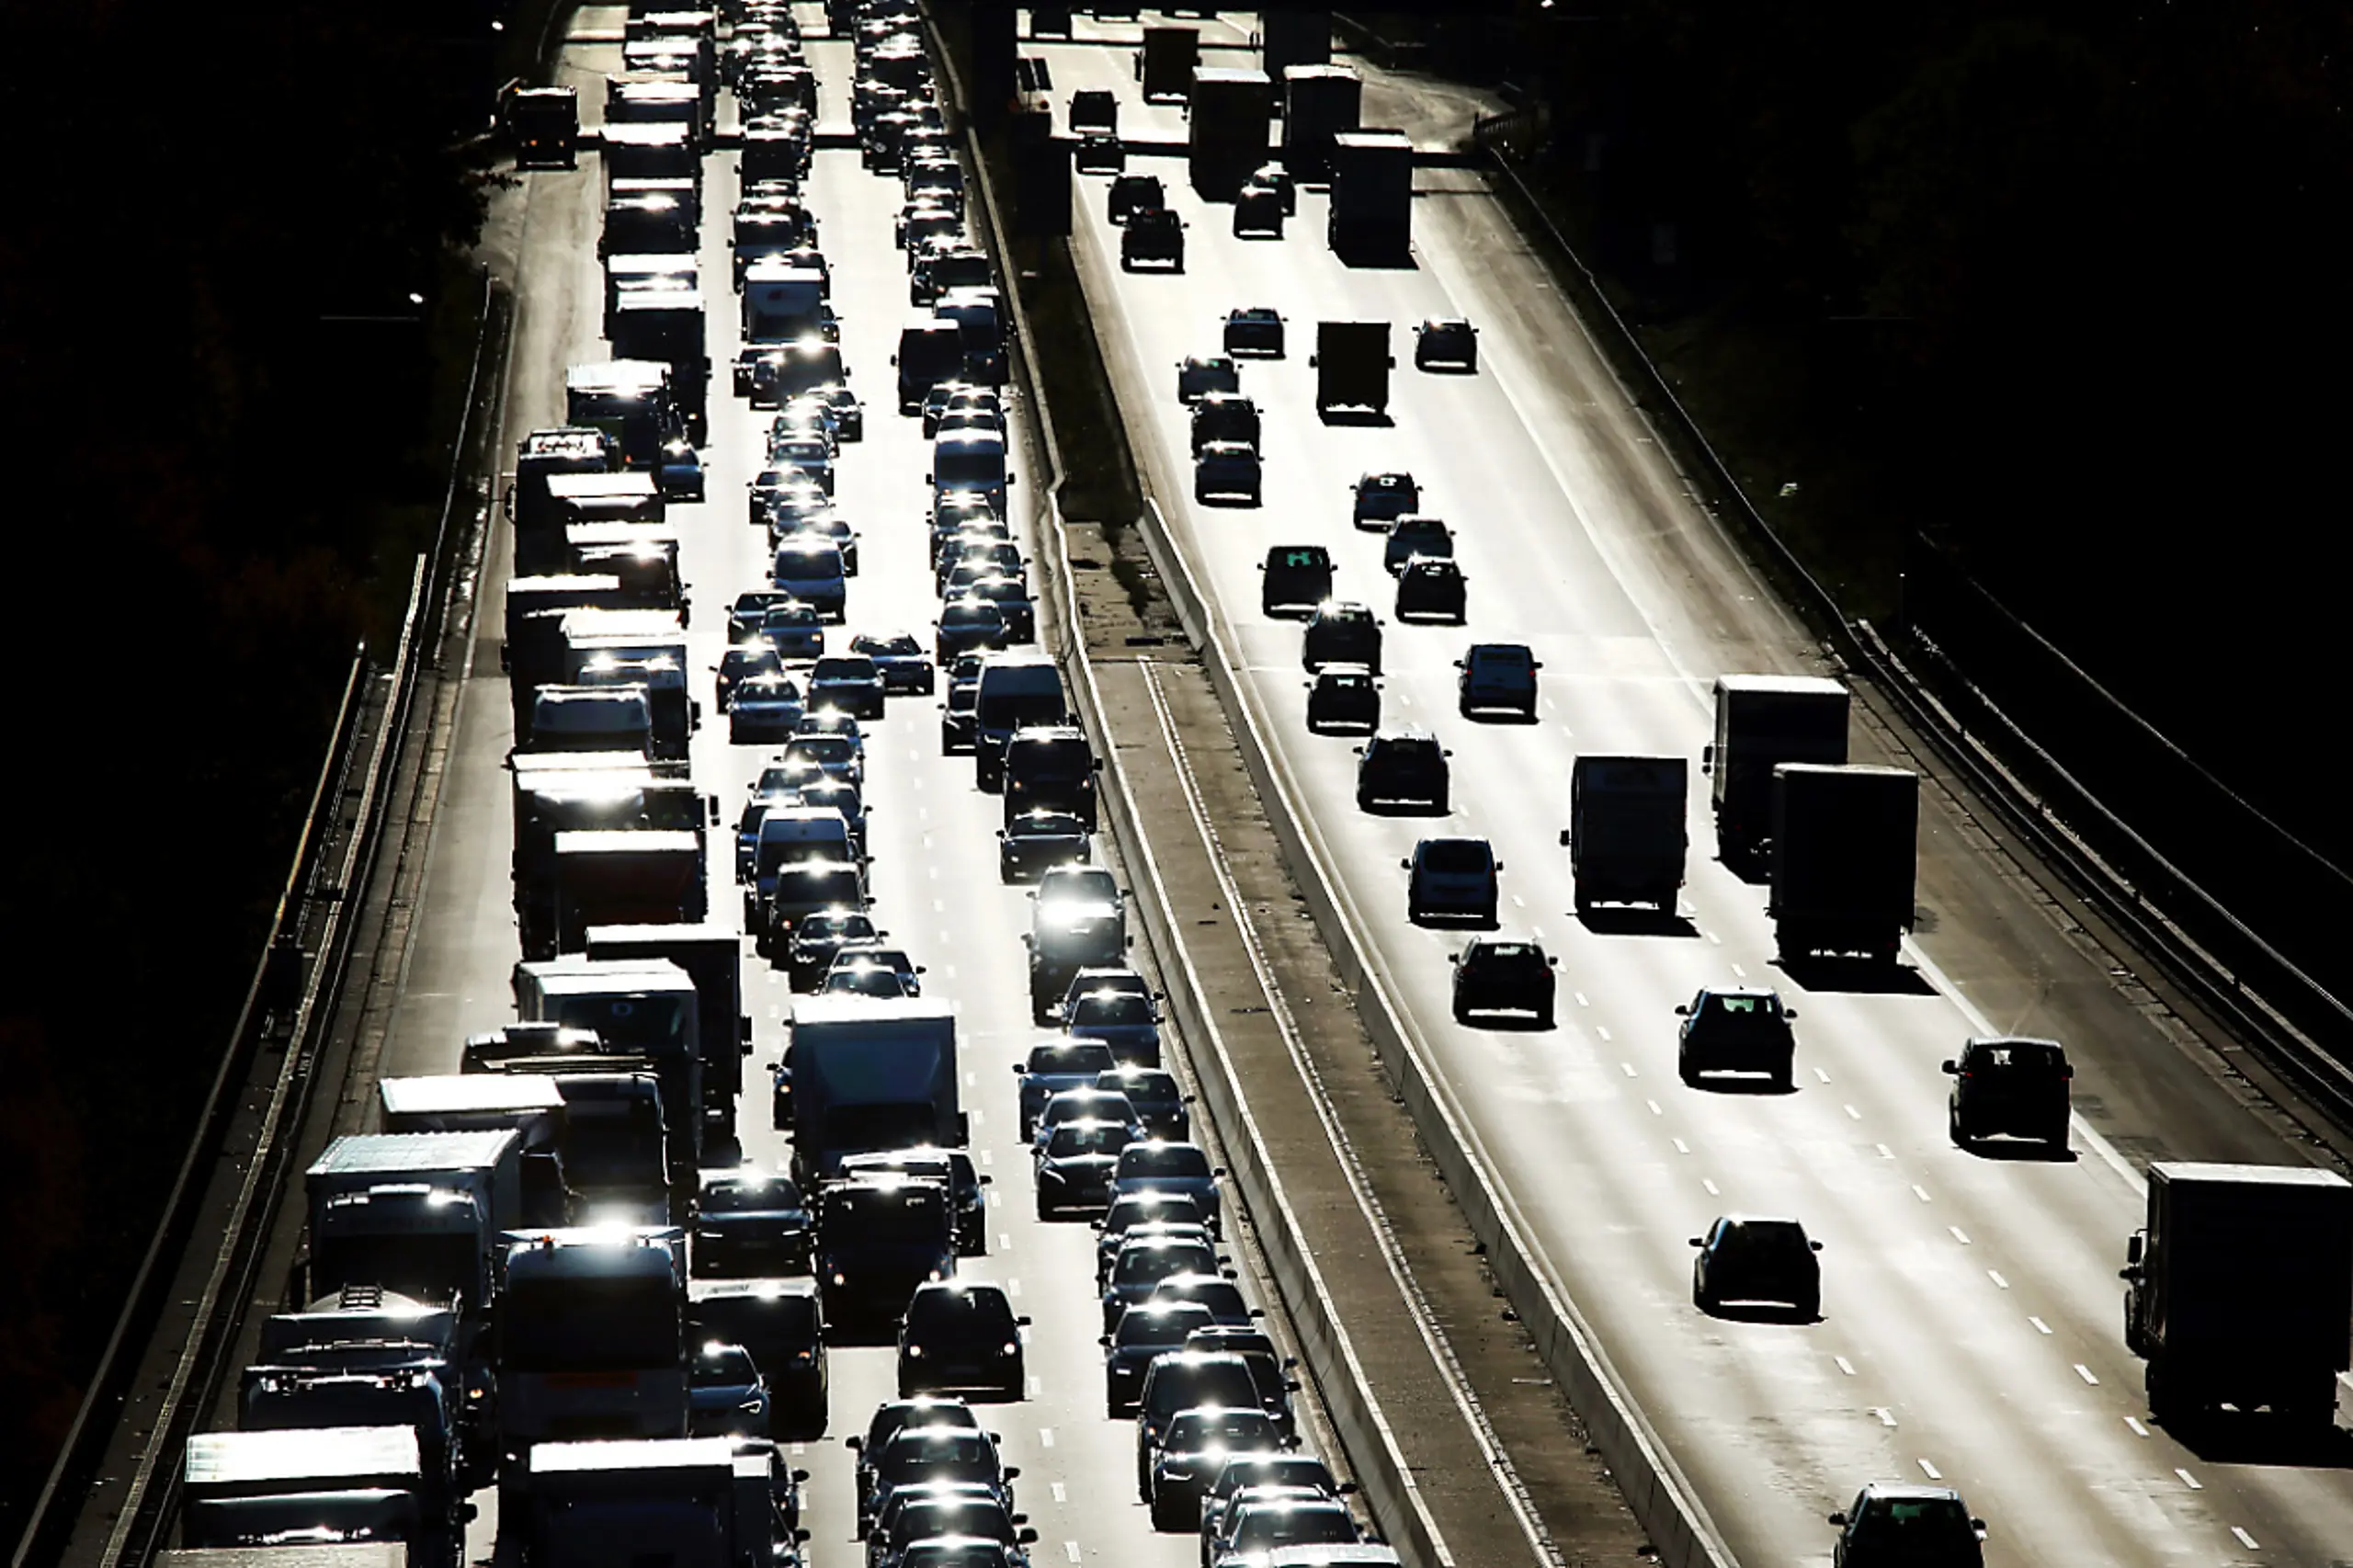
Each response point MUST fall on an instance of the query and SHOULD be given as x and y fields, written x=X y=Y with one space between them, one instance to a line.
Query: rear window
x=1454 y=856
x=1076 y=1138
x=959 y=1311
x=1111 y=1007
x=1072 y=1059
x=2047 y=1060
x=1164 y=1160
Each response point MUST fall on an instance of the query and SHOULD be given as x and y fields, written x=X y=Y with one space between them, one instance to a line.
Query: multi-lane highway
x=935 y=869
x=1971 y=1325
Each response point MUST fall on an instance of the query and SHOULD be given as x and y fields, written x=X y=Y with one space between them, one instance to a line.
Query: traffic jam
x=553 y=1278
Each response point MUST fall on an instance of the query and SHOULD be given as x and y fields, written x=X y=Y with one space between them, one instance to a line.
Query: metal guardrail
x=284 y=1001
x=2118 y=879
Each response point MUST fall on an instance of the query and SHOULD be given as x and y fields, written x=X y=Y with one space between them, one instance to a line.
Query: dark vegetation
x=228 y=308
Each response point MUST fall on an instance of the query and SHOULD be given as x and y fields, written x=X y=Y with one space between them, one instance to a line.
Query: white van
x=1016 y=690
x=974 y=460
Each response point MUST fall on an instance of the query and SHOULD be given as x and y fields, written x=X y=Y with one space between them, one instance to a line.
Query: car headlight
x=838 y=1280
x=1009 y=1349
x=914 y=1352
x=752 y=1406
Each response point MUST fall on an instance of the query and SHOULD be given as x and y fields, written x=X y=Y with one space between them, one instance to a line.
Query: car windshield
x=1506 y=954
x=866 y=979
x=2022 y=1057
x=1084 y=886
x=749 y=1195
x=904 y=1414
x=1148 y=1088
x=1219 y=1427
x=1046 y=824
x=1764 y=1237
x=1165 y=1160
x=1921 y=1519
x=1744 y=1012
x=822 y=748
x=1454 y=856
x=971 y=612
x=724 y=1366
x=1074 y=1138
x=832 y=928
x=789 y=614
x=844 y=670
x=1293 y=1525
x=1149 y=1262
x=928 y=1450
x=1092 y=1057
x=1110 y=1008
x=899 y=647
x=959 y=1313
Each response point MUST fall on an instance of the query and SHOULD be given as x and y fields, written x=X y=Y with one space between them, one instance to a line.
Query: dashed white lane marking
x=2244 y=1539
x=1713 y=938
x=1070 y=1550
x=1920 y=1192
x=1681 y=1147
x=1655 y=1108
x=1853 y=1115
x=1712 y=1190
x=1958 y=1235
x=2085 y=1373
x=2187 y=1480
x=1996 y=1275
x=2137 y=1430
x=1884 y=1152
x=2040 y=1326
x=1045 y=1436
x=940 y=905
x=988 y=1156
x=1820 y=1076
x=1061 y=1494
x=1627 y=1068
x=1844 y=1365
x=1739 y=972
x=1004 y=1241
x=1581 y=1001
x=1013 y=1287
x=1886 y=1416
x=1931 y=1471
x=1030 y=1382
x=1517 y=902
x=1602 y=1032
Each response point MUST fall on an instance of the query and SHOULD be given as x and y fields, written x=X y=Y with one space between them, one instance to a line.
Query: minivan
x=811 y=570
x=971 y=459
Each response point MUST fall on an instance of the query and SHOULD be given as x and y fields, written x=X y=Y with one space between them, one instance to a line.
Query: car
x=1083 y=1102
x=851 y=682
x=1228 y=471
x=1131 y=193
x=818 y=527
x=1074 y=1166
x=830 y=721
x=957 y=511
x=1496 y=976
x=1108 y=1246
x=1433 y=589
x=968 y=624
x=1497 y=677
x=748 y=1222
x=1142 y=1210
x=765 y=707
x=1152 y=233
x=1161 y=1103
x=961 y=1336
x=852 y=976
x=1269 y=1366
x=928 y=1513
x=967 y=558
x=816 y=937
x=1186 y=1380
x=1902 y=1527
x=783 y=490
x=835 y=756
x=1453 y=878
x=962 y=1551
x=1412 y=534
x=951 y=1168
x=1382 y=498
x=809 y=455
x=871 y=950
x=1449 y=344
x=1225 y=416
x=942 y=394
x=893 y=1416
x=725 y=1393
x=1011 y=597
x=1099 y=152
x=1735 y=1028
x=957 y=726
x=1341 y=632
x=1403 y=766
x=1250 y=1532
x=1258 y=209
x=2012 y=1086
x=1194 y=1444
x=1197 y=375
x=849 y=416
x=1276 y=179
x=906 y=669
x=748 y=827
x=921 y=1457
x=1343 y=697
x=1145 y=1260
x=1034 y=841
x=1147 y=1333
x=1095 y=108
x=1292 y=1473
x=743 y=617
x=1753 y=1259
x=1126 y=1022
x=839 y=796
x=1293 y=579
x=1253 y=330
x=938 y=269
x=1101 y=977
x=1159 y=1166
x=795 y=629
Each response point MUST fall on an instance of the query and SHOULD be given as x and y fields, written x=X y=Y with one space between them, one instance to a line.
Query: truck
x=783 y=301
x=531 y=645
x=414 y=1212
x=879 y=1237
x=1352 y=364
x=545 y=453
x=931 y=350
x=636 y=647
x=1227 y=129
x=340 y=1554
x=542 y=532
x=713 y=957
x=622 y=876
x=2239 y=1291
x=676 y=272
x=425 y=1400
x=365 y=1357
x=611 y=790
x=544 y=125
x=1844 y=847
x=323 y=1485
x=616 y=1142
x=646 y=1007
x=1164 y=64
x=871 y=1073
x=683 y=1502
x=1761 y=723
x=781 y=1322
x=1319 y=102
x=1372 y=197
x=1289 y=39
x=634 y=402
x=592 y=1337
x=653 y=151
x=528 y=1105
x=1626 y=836
x=668 y=325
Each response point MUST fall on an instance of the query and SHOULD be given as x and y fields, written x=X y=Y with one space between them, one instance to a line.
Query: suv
x=1225 y=416
x=1254 y=329
x=1450 y=345
x=1343 y=697
x=1341 y=632
x=2008 y=1084
x=1739 y=1029
x=1406 y=766
x=1750 y=1258
x=1451 y=877
x=1095 y=108
x=1494 y=977
x=1383 y=498
x=1295 y=578
x=1427 y=587
x=1497 y=676
x=960 y=1335
x=1132 y=194
x=1152 y=233
x=1904 y=1526
x=1412 y=534
x=1200 y=374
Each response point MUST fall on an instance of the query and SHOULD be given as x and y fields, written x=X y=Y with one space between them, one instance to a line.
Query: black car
x=1492 y=976
x=1074 y=1164
x=953 y=1169
x=1099 y=152
x=749 y=1222
x=778 y=1324
x=960 y=1337
x=889 y=1420
x=1737 y=1028
x=907 y=670
x=1343 y=697
x=932 y=1456
x=957 y=730
x=1145 y=1335
x=746 y=661
x=1448 y=345
x=1433 y=589
x=1294 y=578
x=743 y=617
x=1227 y=416
x=1014 y=605
x=1256 y=330
x=1403 y=766
x=1035 y=840
x=1907 y=1527
x=1160 y=1102
x=1132 y=194
x=2011 y=1085
x=1191 y=1451
x=1383 y=498
x=1341 y=632
x=817 y=938
x=850 y=682
x=1752 y=1260
x=1258 y=209
x=1155 y=234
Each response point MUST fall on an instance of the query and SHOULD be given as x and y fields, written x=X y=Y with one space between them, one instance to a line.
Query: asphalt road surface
x=1970 y=1329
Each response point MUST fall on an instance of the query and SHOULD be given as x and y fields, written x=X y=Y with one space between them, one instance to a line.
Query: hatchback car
x=1907 y=1527
x=893 y=1416
x=1294 y=579
x=725 y=1393
x=1160 y=1102
x=749 y=1222
x=1258 y=209
x=742 y=663
x=915 y=1457
x=1254 y=330
x=1187 y=1379
x=2009 y=1086
x=1083 y=1103
x=1403 y=766
x=1343 y=697
x=1755 y=1260
x=1192 y=1449
x=1147 y=1333
x=1199 y=374
x=1382 y=498
x=1447 y=345
x=1341 y=632
x=1276 y=179
x=1099 y=152
x=951 y=1168
x=1497 y=677
x=1228 y=471
x=1434 y=590
x=1454 y=877
x=1295 y=1473
x=1157 y=1165
x=1737 y=1028
x=858 y=974
x=1251 y=1532
x=1131 y=193
x=1035 y=841
x=1128 y=1023
x=906 y=669
x=966 y=625
x=764 y=709
x=1504 y=977
x=1152 y=233
x=1413 y=534
x=960 y=1337
x=817 y=938
x=1143 y=1260
x=1226 y=416
x=851 y=682
x=1074 y=1163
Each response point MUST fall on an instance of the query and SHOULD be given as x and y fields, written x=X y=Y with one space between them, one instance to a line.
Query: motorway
x=937 y=890
x=1971 y=1323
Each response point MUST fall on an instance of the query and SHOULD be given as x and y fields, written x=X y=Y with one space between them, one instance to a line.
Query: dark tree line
x=224 y=276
